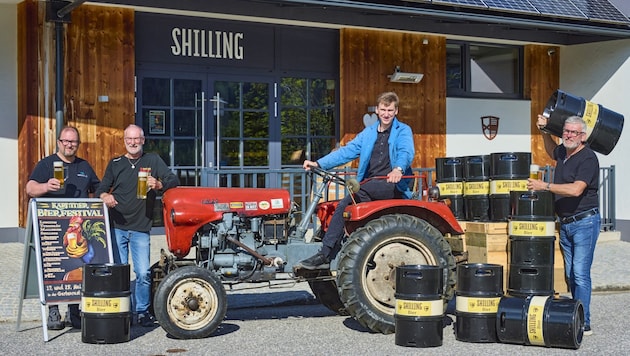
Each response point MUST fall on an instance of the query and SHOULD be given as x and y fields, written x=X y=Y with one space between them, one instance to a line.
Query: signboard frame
x=62 y=235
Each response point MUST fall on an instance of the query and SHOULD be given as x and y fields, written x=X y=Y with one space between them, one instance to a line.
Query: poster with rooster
x=69 y=234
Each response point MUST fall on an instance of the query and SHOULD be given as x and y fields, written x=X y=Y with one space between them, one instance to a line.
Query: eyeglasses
x=571 y=132
x=134 y=139
x=68 y=142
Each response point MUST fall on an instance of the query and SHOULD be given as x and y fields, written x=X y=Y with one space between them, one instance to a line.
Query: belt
x=579 y=216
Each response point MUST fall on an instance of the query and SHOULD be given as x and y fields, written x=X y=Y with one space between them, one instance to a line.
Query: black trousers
x=373 y=189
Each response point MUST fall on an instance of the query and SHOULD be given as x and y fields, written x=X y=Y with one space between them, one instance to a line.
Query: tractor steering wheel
x=350 y=183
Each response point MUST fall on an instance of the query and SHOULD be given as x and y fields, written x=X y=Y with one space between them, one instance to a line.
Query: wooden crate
x=559 y=283
x=490 y=228
x=457 y=243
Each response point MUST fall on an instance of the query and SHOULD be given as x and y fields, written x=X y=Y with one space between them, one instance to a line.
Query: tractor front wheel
x=190 y=303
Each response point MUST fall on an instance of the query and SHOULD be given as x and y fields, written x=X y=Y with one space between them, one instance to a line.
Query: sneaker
x=54 y=318
x=587 y=330
x=317 y=261
x=147 y=320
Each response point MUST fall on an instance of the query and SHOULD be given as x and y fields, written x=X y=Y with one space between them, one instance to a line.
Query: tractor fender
x=437 y=214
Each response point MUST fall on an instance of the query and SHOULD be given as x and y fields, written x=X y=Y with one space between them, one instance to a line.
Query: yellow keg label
x=105 y=305
x=532 y=228
x=451 y=188
x=591 y=112
x=419 y=307
x=477 y=188
x=506 y=186
x=477 y=305
x=535 y=314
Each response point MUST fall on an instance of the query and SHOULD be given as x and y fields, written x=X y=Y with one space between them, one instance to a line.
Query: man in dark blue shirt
x=80 y=181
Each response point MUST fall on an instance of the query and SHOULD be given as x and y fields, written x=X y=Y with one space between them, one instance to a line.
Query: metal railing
x=298 y=183
x=607 y=195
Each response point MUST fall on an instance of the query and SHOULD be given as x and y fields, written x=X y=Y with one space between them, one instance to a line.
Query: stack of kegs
x=509 y=171
x=529 y=314
x=532 y=235
x=449 y=179
x=477 y=188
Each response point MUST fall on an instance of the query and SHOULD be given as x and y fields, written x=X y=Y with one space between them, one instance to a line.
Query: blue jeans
x=140 y=245
x=577 y=240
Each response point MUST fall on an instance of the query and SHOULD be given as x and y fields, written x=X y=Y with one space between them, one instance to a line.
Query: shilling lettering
x=188 y=42
x=487 y=303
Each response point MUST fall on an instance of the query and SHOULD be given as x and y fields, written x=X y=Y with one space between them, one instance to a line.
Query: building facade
x=263 y=85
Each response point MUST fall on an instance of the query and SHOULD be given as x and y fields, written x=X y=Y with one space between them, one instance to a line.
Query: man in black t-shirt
x=80 y=181
x=575 y=186
x=132 y=216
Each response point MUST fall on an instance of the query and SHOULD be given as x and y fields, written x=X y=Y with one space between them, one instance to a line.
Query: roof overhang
x=396 y=15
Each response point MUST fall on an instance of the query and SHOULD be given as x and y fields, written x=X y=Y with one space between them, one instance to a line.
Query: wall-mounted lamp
x=425 y=41
x=403 y=77
x=551 y=52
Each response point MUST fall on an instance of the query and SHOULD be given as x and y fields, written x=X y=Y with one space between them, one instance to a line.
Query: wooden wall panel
x=542 y=79
x=368 y=57
x=36 y=114
x=99 y=60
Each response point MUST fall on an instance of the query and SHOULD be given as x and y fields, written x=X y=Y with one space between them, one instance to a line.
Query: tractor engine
x=239 y=233
x=244 y=248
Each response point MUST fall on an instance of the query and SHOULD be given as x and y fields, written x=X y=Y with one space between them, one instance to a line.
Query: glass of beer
x=143 y=186
x=534 y=171
x=58 y=172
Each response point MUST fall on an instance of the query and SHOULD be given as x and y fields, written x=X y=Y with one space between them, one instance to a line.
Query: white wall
x=8 y=120
x=464 y=136
x=600 y=73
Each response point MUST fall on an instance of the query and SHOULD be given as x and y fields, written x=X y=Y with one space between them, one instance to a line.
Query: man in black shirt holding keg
x=575 y=188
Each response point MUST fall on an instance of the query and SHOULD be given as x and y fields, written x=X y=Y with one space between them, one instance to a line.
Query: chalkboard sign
x=64 y=234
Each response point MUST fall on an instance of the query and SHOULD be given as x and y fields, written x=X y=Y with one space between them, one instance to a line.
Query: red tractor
x=249 y=235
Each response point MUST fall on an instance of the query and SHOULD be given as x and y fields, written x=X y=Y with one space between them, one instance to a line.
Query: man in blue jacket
x=385 y=150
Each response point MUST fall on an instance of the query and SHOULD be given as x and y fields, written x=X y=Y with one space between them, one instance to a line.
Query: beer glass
x=534 y=171
x=143 y=186
x=58 y=172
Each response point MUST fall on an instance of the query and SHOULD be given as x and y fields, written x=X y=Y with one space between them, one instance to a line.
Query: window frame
x=465 y=59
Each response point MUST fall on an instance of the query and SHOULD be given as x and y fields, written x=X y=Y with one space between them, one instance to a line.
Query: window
x=307 y=112
x=171 y=120
x=484 y=70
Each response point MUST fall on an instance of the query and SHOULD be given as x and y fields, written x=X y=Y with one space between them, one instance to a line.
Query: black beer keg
x=479 y=290
x=540 y=321
x=603 y=126
x=477 y=188
x=419 y=306
x=449 y=178
x=509 y=171
x=105 y=304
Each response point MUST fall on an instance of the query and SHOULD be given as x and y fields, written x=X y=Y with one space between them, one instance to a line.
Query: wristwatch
x=400 y=169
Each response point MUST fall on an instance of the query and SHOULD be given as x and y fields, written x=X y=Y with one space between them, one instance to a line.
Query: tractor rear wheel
x=366 y=271
x=190 y=303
